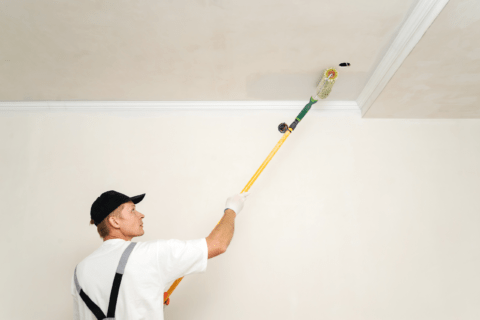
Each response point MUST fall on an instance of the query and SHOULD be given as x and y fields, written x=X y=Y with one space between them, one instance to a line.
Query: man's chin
x=140 y=233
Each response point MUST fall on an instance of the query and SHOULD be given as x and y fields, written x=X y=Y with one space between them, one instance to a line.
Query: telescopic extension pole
x=281 y=128
x=322 y=91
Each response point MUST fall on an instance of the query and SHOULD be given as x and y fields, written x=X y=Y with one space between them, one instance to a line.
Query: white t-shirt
x=151 y=268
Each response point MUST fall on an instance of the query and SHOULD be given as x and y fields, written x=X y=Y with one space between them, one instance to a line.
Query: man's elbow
x=215 y=248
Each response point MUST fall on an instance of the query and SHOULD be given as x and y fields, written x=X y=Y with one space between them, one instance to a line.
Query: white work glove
x=236 y=202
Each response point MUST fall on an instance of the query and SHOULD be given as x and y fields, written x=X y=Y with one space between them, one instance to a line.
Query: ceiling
x=210 y=50
x=441 y=76
x=225 y=50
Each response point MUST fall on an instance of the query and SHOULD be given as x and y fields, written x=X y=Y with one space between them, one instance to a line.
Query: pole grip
x=306 y=109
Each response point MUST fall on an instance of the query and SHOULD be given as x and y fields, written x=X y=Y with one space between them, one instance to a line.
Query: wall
x=353 y=218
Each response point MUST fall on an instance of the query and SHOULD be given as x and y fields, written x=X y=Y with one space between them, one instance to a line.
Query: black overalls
x=116 y=286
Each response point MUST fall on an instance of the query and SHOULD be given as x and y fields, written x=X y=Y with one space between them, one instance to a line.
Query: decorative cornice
x=174 y=105
x=417 y=23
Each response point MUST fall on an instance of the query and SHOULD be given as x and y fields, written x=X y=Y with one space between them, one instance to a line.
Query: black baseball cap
x=108 y=202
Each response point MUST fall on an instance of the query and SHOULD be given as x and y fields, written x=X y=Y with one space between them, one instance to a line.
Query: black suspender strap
x=118 y=279
x=115 y=288
x=90 y=304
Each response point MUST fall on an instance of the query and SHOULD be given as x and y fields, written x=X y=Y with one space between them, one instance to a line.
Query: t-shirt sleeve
x=178 y=258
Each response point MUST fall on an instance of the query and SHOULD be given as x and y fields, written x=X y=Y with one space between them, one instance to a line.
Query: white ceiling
x=441 y=76
x=225 y=50
x=190 y=50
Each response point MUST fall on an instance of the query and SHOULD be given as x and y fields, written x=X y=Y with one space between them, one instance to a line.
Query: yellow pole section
x=172 y=287
x=247 y=187
x=264 y=164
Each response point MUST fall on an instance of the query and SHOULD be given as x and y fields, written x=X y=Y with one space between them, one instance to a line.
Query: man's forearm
x=223 y=231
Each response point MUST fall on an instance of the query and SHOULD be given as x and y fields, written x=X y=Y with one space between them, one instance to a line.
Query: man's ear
x=113 y=222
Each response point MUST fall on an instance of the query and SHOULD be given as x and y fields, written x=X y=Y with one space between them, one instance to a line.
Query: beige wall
x=353 y=218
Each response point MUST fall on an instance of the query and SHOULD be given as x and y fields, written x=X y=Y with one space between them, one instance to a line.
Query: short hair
x=103 y=227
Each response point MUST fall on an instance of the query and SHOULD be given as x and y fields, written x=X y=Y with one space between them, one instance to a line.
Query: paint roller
x=322 y=91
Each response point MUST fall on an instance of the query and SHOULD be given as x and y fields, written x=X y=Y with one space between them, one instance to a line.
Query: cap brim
x=138 y=198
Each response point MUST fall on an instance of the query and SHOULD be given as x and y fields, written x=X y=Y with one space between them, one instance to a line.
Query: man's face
x=132 y=224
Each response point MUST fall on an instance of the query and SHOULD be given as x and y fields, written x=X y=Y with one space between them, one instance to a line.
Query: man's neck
x=110 y=237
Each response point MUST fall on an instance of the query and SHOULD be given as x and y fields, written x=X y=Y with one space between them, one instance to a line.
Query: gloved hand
x=236 y=202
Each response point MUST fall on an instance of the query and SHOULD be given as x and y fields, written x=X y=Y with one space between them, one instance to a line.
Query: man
x=127 y=280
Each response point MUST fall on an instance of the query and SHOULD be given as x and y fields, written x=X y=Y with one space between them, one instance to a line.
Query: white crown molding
x=173 y=105
x=417 y=23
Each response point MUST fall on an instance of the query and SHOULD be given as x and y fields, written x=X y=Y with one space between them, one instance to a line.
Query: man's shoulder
x=173 y=244
x=148 y=245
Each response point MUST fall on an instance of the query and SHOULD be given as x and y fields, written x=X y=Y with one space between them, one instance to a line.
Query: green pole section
x=306 y=109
